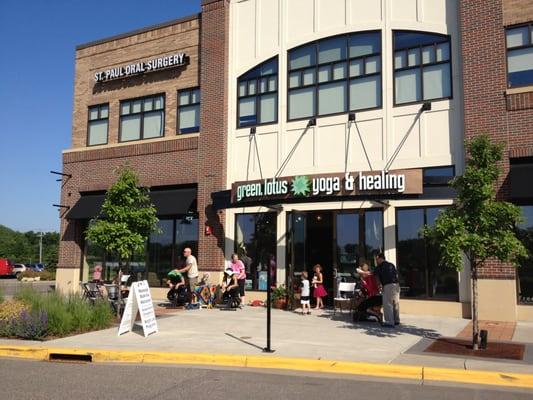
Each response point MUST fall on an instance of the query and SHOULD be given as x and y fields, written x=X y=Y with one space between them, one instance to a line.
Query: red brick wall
x=169 y=161
x=212 y=142
x=488 y=107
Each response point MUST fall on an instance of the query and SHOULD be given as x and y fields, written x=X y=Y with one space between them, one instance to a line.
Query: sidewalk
x=321 y=336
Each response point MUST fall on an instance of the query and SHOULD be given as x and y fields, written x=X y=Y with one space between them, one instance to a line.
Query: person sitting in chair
x=176 y=283
x=230 y=289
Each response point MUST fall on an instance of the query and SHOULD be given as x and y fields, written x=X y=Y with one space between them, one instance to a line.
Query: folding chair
x=91 y=292
x=346 y=295
x=112 y=298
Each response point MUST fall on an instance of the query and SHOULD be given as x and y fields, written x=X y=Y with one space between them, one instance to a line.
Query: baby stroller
x=178 y=297
x=366 y=304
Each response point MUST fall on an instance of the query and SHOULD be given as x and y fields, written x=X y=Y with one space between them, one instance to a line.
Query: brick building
x=137 y=102
x=497 y=53
x=307 y=91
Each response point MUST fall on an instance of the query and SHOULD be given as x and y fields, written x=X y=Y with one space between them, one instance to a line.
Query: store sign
x=407 y=181
x=139 y=300
x=153 y=65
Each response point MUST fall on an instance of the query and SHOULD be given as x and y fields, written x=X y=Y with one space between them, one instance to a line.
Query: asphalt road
x=22 y=379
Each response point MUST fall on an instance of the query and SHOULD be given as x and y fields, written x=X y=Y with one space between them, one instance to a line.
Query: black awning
x=87 y=207
x=221 y=200
x=166 y=202
x=521 y=181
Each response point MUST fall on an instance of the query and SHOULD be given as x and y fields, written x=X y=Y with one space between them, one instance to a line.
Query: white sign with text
x=139 y=300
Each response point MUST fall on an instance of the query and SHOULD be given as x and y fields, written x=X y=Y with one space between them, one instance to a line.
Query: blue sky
x=37 y=43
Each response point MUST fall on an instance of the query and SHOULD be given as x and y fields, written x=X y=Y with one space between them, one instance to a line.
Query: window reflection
x=255 y=242
x=418 y=260
x=525 y=269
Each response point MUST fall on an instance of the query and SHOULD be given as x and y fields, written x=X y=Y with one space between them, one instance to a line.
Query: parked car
x=18 y=269
x=6 y=267
x=37 y=267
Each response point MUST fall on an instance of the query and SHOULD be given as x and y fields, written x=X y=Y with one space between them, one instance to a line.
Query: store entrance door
x=319 y=248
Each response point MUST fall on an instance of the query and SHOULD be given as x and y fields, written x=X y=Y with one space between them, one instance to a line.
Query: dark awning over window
x=521 y=183
x=167 y=202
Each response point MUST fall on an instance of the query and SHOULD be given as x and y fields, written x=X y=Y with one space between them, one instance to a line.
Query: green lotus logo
x=301 y=186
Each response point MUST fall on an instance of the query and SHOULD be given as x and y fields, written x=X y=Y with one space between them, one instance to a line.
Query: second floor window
x=335 y=75
x=257 y=95
x=189 y=111
x=98 y=125
x=422 y=68
x=142 y=118
x=519 y=55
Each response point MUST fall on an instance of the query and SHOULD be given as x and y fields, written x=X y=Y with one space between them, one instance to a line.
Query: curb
x=284 y=363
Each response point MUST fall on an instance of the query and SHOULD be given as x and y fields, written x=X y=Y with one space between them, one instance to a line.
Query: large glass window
x=335 y=75
x=189 y=111
x=255 y=242
x=98 y=125
x=142 y=118
x=519 y=41
x=421 y=276
x=165 y=248
x=257 y=94
x=525 y=269
x=422 y=67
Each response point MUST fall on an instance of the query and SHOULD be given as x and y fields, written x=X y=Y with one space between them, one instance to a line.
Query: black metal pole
x=267 y=349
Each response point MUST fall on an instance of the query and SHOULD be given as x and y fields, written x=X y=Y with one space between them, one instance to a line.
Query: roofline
x=139 y=31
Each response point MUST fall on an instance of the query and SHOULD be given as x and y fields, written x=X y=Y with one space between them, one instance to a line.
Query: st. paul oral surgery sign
x=406 y=181
x=155 y=64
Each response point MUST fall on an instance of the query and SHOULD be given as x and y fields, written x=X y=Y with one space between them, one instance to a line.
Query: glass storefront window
x=347 y=242
x=421 y=276
x=163 y=252
x=525 y=269
x=255 y=242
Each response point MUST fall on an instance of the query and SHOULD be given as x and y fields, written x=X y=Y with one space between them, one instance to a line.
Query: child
x=304 y=295
x=318 y=284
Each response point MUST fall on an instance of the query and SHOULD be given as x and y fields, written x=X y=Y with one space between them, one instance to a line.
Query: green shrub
x=1 y=296
x=66 y=315
x=44 y=275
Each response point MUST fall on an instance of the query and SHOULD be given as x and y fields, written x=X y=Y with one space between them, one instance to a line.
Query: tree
x=477 y=226
x=126 y=220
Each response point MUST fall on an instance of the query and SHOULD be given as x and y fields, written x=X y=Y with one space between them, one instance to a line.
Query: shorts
x=241 y=283
x=304 y=300
x=192 y=283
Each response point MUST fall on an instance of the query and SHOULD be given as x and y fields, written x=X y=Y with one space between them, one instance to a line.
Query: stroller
x=178 y=297
x=365 y=304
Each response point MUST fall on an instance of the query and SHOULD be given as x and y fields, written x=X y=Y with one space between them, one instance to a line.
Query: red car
x=6 y=267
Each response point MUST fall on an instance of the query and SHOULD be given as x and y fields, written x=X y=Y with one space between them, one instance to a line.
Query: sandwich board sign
x=140 y=300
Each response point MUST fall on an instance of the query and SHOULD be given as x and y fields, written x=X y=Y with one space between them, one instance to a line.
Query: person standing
x=304 y=294
x=387 y=277
x=191 y=267
x=240 y=272
x=318 y=286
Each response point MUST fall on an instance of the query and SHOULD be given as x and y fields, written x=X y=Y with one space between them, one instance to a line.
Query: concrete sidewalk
x=318 y=343
x=320 y=336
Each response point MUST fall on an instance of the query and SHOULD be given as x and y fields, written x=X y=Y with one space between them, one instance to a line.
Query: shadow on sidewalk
x=375 y=329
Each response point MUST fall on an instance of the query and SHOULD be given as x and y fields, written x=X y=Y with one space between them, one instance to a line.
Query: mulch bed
x=463 y=347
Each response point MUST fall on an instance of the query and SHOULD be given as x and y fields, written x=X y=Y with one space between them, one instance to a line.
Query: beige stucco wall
x=524 y=313
x=67 y=280
x=497 y=300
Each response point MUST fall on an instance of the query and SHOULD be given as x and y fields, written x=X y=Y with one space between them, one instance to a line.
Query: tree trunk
x=475 y=322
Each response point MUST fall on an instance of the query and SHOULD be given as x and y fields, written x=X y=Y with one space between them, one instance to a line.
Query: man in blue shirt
x=387 y=276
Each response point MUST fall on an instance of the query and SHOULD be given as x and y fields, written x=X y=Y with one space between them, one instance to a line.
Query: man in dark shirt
x=387 y=276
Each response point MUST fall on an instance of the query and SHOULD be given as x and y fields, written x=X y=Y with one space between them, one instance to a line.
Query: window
x=525 y=269
x=422 y=68
x=142 y=118
x=257 y=93
x=255 y=243
x=438 y=176
x=189 y=111
x=421 y=276
x=97 y=126
x=519 y=55
x=335 y=75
